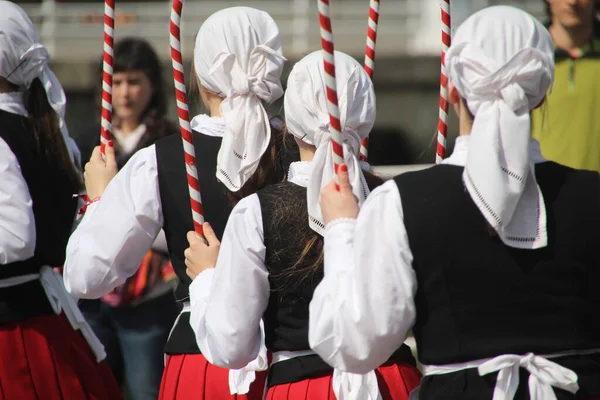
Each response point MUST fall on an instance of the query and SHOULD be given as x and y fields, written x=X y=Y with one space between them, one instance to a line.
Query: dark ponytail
x=49 y=142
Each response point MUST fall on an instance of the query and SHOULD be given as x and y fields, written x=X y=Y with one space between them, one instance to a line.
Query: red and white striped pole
x=331 y=87
x=183 y=112
x=370 y=60
x=443 y=113
x=107 y=74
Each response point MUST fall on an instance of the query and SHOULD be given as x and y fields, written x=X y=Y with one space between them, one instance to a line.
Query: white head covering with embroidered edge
x=23 y=58
x=238 y=55
x=307 y=118
x=502 y=63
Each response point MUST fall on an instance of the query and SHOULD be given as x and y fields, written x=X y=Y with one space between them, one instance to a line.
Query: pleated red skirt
x=395 y=380
x=191 y=377
x=43 y=358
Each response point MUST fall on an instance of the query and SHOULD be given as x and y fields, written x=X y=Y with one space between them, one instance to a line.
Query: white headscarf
x=307 y=119
x=238 y=55
x=23 y=58
x=501 y=62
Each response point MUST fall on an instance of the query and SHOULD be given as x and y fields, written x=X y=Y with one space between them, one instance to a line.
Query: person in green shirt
x=568 y=127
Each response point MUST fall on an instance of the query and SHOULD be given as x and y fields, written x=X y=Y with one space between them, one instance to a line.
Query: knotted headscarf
x=501 y=62
x=307 y=119
x=238 y=55
x=23 y=58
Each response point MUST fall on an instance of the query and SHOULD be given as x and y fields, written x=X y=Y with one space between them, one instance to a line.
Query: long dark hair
x=136 y=54
x=48 y=136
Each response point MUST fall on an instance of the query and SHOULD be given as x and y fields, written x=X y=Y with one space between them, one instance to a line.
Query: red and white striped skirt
x=191 y=377
x=43 y=358
x=395 y=379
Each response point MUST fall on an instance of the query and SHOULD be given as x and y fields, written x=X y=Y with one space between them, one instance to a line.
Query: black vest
x=478 y=298
x=54 y=211
x=286 y=229
x=175 y=201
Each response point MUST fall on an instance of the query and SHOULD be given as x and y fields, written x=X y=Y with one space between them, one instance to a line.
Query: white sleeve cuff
x=334 y=225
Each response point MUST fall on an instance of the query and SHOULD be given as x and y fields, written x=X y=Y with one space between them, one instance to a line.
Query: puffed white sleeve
x=117 y=231
x=364 y=307
x=17 y=229
x=228 y=301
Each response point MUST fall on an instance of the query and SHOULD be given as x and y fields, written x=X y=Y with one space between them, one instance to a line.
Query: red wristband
x=87 y=201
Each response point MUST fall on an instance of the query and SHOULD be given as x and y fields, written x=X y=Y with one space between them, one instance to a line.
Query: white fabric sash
x=61 y=301
x=543 y=373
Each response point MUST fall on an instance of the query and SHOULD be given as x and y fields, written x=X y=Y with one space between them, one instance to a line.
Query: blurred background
x=406 y=71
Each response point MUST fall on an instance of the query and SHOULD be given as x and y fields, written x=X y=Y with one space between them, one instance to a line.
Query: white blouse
x=118 y=230
x=364 y=307
x=129 y=141
x=17 y=229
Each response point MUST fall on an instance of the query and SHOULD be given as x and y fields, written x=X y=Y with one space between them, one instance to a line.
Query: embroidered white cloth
x=239 y=56
x=307 y=118
x=501 y=62
x=23 y=58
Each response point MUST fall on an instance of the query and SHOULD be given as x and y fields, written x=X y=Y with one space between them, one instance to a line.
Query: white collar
x=461 y=149
x=209 y=126
x=129 y=142
x=13 y=103
x=299 y=172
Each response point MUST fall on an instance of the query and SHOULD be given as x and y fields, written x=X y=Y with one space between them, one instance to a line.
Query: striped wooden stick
x=107 y=74
x=370 y=60
x=330 y=82
x=372 y=37
x=183 y=112
x=443 y=112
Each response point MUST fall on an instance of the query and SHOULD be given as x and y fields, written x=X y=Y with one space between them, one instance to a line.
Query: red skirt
x=191 y=377
x=43 y=358
x=395 y=380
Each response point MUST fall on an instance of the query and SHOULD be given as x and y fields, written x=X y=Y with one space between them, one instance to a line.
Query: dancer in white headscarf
x=238 y=63
x=47 y=350
x=490 y=258
x=271 y=257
